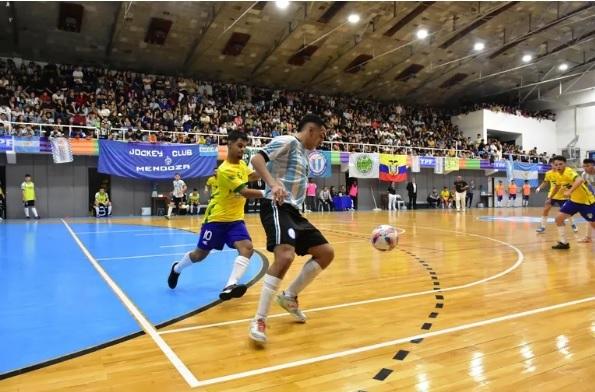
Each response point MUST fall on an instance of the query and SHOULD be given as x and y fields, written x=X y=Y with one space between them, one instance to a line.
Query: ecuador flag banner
x=393 y=168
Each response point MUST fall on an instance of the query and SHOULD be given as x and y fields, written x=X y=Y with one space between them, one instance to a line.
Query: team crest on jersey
x=317 y=162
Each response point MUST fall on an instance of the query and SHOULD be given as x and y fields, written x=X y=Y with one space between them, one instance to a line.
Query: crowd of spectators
x=498 y=107
x=120 y=105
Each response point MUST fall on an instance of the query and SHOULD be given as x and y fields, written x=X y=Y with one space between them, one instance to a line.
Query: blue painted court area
x=55 y=304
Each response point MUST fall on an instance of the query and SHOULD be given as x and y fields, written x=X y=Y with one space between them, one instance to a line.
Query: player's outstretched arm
x=252 y=193
x=259 y=165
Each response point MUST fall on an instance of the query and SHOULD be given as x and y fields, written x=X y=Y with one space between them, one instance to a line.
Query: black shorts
x=29 y=203
x=285 y=225
x=525 y=197
x=512 y=196
x=178 y=200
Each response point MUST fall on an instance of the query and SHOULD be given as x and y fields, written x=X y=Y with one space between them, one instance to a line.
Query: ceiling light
x=421 y=33
x=282 y=4
x=563 y=67
x=479 y=46
x=527 y=58
x=353 y=18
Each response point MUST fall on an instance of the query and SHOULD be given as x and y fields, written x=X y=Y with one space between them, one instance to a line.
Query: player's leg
x=33 y=209
x=109 y=208
x=566 y=211
x=233 y=289
x=209 y=239
x=170 y=208
x=96 y=208
x=588 y=213
x=546 y=210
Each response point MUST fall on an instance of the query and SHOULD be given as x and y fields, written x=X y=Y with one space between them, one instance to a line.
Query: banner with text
x=154 y=161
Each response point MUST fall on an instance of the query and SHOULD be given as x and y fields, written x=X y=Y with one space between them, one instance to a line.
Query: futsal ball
x=384 y=238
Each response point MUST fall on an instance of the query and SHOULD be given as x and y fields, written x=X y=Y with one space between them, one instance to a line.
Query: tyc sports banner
x=320 y=163
x=154 y=161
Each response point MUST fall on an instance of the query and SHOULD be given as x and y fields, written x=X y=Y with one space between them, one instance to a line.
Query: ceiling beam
x=12 y=15
x=477 y=23
x=424 y=5
x=214 y=12
x=543 y=28
x=120 y=12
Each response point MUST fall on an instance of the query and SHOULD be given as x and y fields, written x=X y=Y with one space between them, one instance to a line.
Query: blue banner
x=26 y=144
x=154 y=161
x=6 y=143
x=427 y=162
x=320 y=163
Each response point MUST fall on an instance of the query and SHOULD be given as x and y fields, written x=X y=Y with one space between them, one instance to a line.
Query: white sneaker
x=257 y=330
x=290 y=304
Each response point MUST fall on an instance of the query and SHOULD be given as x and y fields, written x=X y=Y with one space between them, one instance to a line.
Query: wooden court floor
x=462 y=304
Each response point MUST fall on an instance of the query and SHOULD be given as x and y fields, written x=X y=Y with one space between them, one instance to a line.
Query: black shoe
x=233 y=291
x=37 y=217
x=172 y=279
x=561 y=245
x=28 y=217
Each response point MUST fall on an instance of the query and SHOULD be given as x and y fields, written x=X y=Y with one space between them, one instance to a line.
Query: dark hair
x=27 y=175
x=559 y=158
x=234 y=136
x=310 y=118
x=194 y=190
x=589 y=160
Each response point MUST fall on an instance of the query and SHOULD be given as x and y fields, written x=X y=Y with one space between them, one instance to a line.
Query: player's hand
x=278 y=192
x=537 y=190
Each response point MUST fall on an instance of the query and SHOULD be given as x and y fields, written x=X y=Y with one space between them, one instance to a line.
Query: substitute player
x=526 y=193
x=224 y=219
x=581 y=199
x=102 y=201
x=178 y=195
x=28 y=189
x=553 y=199
x=283 y=165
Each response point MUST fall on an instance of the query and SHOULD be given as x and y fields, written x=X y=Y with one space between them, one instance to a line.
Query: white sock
x=239 y=267
x=169 y=210
x=543 y=221
x=27 y=212
x=570 y=220
x=562 y=234
x=269 y=288
x=109 y=210
x=310 y=270
x=185 y=262
x=96 y=211
x=34 y=211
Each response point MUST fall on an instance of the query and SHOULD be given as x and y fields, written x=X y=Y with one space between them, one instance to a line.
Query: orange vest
x=499 y=190
x=512 y=189
x=526 y=190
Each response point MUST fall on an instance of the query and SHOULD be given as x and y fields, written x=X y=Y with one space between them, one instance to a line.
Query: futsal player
x=553 y=199
x=28 y=189
x=526 y=193
x=581 y=199
x=589 y=177
x=512 y=189
x=223 y=223
x=211 y=186
x=499 y=193
x=283 y=165
x=178 y=195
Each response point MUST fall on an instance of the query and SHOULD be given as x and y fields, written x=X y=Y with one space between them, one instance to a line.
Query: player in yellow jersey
x=28 y=189
x=212 y=184
x=553 y=199
x=581 y=199
x=224 y=219
x=194 y=201
x=102 y=202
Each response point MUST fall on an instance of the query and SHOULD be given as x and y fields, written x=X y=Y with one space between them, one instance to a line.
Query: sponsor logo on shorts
x=291 y=233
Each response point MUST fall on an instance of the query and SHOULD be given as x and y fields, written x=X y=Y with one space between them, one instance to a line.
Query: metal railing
x=81 y=131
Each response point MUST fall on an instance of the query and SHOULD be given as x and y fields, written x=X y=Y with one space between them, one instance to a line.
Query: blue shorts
x=500 y=198
x=586 y=211
x=215 y=235
x=557 y=202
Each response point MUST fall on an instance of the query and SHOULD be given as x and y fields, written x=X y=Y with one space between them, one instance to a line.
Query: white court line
x=520 y=259
x=139 y=256
x=156 y=231
x=393 y=342
x=140 y=318
x=175 y=232
x=178 y=246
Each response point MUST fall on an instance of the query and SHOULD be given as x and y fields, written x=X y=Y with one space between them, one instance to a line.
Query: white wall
x=534 y=133
x=470 y=124
x=585 y=127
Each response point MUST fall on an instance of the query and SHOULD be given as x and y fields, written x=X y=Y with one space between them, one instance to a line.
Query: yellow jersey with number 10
x=227 y=205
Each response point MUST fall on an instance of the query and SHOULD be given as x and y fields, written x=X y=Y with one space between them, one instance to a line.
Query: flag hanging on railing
x=415 y=164
x=451 y=164
x=363 y=165
x=522 y=171
x=393 y=168
x=439 y=165
x=26 y=144
x=61 y=151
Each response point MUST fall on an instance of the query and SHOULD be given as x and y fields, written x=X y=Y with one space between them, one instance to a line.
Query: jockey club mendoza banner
x=154 y=161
